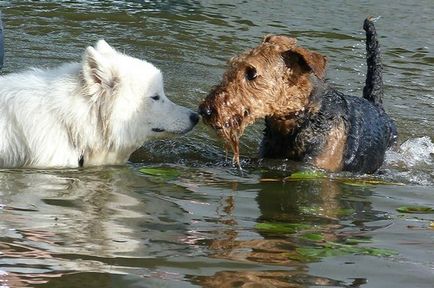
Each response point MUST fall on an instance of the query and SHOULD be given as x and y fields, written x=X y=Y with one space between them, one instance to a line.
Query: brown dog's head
x=273 y=79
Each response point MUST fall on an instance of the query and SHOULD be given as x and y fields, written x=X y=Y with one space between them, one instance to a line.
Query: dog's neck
x=288 y=123
x=285 y=124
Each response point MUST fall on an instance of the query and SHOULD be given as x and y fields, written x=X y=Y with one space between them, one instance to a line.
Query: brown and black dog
x=305 y=118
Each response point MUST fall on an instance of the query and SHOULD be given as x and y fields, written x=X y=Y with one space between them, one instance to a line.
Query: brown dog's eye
x=251 y=73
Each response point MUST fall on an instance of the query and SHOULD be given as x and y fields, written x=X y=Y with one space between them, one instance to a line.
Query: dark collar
x=81 y=161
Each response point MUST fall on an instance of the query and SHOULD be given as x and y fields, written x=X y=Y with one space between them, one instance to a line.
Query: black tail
x=373 y=90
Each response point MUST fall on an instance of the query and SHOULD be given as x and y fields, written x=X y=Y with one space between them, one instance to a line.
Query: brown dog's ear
x=283 y=42
x=312 y=61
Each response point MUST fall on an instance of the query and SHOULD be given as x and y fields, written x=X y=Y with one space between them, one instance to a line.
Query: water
x=211 y=226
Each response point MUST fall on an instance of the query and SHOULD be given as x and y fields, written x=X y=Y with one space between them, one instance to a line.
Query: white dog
x=94 y=113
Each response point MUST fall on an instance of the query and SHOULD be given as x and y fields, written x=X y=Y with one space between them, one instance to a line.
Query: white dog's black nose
x=194 y=118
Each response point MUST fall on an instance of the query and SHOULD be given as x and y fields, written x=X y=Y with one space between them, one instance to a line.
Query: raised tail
x=2 y=51
x=373 y=90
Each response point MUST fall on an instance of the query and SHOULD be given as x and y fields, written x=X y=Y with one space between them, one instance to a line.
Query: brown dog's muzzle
x=206 y=111
x=211 y=109
x=218 y=115
x=227 y=121
x=209 y=115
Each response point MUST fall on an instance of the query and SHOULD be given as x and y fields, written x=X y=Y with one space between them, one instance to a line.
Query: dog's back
x=369 y=130
x=370 y=133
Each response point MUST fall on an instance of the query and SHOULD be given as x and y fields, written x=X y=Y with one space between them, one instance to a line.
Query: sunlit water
x=210 y=225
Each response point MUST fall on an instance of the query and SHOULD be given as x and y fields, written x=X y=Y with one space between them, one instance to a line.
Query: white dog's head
x=129 y=98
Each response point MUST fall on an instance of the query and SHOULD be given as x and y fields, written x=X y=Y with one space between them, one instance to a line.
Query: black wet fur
x=373 y=90
x=369 y=130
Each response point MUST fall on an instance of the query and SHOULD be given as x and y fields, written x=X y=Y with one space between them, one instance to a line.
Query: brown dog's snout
x=205 y=110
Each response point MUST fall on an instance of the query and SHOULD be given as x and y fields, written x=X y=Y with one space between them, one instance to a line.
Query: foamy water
x=411 y=153
x=412 y=161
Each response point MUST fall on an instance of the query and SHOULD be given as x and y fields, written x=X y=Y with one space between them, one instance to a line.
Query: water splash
x=411 y=162
x=411 y=153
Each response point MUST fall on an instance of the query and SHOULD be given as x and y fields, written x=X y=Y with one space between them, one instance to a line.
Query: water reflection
x=265 y=279
x=291 y=212
x=50 y=213
x=208 y=225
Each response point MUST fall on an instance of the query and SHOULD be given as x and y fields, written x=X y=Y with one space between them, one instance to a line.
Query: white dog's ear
x=104 y=48
x=98 y=71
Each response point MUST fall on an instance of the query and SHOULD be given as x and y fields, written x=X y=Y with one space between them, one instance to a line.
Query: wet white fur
x=100 y=109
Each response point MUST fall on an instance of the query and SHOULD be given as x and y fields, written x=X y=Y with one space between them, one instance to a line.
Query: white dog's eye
x=156 y=97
